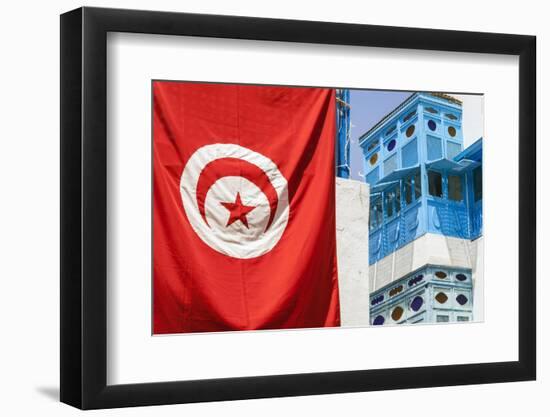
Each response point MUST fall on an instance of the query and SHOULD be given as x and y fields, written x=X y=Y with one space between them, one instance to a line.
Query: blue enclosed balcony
x=421 y=178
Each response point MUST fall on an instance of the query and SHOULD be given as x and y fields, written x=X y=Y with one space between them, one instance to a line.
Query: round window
x=461 y=299
x=416 y=303
x=373 y=159
x=410 y=130
x=432 y=125
x=452 y=131
x=378 y=321
x=461 y=277
x=441 y=298
x=391 y=145
x=441 y=274
x=397 y=313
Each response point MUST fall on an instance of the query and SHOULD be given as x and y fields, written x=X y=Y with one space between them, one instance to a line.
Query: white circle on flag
x=256 y=227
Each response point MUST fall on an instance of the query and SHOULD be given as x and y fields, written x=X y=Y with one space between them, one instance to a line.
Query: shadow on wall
x=50 y=392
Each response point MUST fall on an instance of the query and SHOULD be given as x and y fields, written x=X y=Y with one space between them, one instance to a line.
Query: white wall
x=430 y=248
x=29 y=237
x=352 y=228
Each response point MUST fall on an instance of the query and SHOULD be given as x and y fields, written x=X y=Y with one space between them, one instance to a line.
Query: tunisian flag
x=244 y=210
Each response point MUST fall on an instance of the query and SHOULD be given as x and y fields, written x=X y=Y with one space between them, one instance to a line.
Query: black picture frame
x=84 y=207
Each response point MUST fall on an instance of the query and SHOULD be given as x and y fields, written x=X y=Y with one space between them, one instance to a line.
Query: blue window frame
x=478 y=184
x=455 y=185
x=412 y=189
x=376 y=215
x=408 y=190
x=435 y=184
x=417 y=185
x=397 y=199
x=392 y=201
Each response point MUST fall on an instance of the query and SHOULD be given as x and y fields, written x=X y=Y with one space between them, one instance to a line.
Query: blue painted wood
x=434 y=123
x=343 y=131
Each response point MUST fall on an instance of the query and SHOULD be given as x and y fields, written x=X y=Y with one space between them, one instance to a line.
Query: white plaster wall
x=352 y=235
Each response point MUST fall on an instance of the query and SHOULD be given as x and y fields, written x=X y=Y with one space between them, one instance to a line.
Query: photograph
x=284 y=207
x=274 y=209
x=337 y=203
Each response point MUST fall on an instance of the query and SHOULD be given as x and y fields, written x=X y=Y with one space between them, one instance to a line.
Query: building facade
x=425 y=221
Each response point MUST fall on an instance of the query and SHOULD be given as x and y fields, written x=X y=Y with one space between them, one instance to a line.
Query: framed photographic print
x=257 y=208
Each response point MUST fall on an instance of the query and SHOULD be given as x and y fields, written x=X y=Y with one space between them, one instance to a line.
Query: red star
x=237 y=211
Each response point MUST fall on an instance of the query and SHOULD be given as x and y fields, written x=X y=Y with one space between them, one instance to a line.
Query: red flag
x=244 y=210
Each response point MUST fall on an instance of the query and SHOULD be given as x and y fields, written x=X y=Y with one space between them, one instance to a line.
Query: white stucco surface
x=352 y=235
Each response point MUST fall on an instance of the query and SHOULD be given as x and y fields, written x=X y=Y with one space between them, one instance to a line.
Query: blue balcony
x=421 y=178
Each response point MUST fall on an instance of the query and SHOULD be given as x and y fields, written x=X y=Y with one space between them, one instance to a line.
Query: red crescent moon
x=234 y=167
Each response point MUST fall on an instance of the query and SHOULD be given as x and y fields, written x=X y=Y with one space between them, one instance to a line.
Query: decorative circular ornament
x=391 y=145
x=461 y=277
x=416 y=303
x=441 y=298
x=461 y=299
x=410 y=130
x=378 y=321
x=373 y=159
x=236 y=200
x=452 y=131
x=432 y=125
x=397 y=313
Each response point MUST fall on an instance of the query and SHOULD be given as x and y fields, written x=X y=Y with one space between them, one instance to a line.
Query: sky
x=369 y=106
